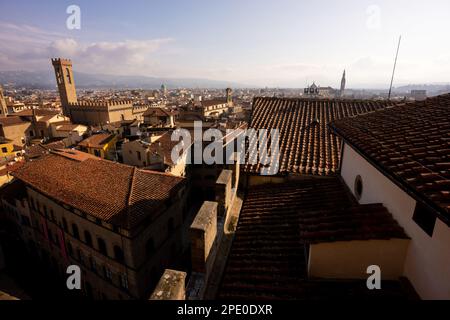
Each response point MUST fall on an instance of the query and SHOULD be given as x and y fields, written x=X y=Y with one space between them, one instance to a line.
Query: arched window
x=75 y=232
x=88 y=238
x=68 y=76
x=118 y=253
x=102 y=246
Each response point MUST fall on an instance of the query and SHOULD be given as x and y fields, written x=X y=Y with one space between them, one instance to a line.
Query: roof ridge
x=130 y=188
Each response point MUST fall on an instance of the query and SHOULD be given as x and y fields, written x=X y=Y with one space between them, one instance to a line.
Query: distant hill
x=46 y=80
x=431 y=88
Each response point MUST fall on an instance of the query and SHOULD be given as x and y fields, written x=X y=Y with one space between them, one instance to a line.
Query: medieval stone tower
x=3 y=107
x=229 y=96
x=66 y=83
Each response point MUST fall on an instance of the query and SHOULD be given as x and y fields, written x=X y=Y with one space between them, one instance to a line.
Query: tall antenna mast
x=393 y=71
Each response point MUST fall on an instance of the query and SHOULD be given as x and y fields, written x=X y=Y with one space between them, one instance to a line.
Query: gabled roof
x=116 y=193
x=306 y=145
x=410 y=144
x=157 y=112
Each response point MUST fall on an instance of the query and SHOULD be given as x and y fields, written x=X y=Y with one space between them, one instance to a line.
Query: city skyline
x=252 y=43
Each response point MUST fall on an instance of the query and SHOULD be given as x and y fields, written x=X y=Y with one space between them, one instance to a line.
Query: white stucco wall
x=427 y=263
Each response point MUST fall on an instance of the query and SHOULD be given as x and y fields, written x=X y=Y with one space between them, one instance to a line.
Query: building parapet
x=171 y=286
x=61 y=61
x=223 y=191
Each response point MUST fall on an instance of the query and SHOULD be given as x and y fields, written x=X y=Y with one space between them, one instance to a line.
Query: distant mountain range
x=46 y=80
x=431 y=88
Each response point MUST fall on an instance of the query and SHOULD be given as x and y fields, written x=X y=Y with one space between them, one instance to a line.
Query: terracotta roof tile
x=213 y=102
x=96 y=140
x=113 y=192
x=157 y=112
x=39 y=149
x=306 y=145
x=411 y=144
x=12 y=121
x=268 y=258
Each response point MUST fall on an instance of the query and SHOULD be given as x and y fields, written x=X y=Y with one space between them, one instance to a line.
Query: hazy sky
x=255 y=42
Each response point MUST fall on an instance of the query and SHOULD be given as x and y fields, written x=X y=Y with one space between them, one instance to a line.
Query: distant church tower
x=3 y=107
x=66 y=84
x=229 y=96
x=341 y=93
x=164 y=90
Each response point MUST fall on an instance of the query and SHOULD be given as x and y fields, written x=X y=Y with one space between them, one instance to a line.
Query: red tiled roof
x=12 y=121
x=306 y=145
x=39 y=149
x=38 y=112
x=96 y=140
x=113 y=192
x=67 y=127
x=213 y=102
x=268 y=258
x=157 y=112
x=410 y=143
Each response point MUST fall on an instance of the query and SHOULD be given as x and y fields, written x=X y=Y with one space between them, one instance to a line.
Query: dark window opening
x=64 y=222
x=68 y=76
x=75 y=232
x=102 y=246
x=118 y=254
x=358 y=187
x=424 y=218
x=150 y=247
x=88 y=238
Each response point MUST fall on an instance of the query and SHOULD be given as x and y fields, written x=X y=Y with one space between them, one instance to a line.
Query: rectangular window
x=108 y=274
x=124 y=281
x=424 y=218
x=138 y=155
x=4 y=150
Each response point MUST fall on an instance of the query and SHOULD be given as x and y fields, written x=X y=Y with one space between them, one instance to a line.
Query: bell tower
x=66 y=83
x=3 y=107
x=229 y=96
x=341 y=93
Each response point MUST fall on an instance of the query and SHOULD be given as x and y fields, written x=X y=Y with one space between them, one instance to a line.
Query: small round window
x=358 y=188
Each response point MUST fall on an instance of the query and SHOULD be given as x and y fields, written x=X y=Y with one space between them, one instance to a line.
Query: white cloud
x=31 y=48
